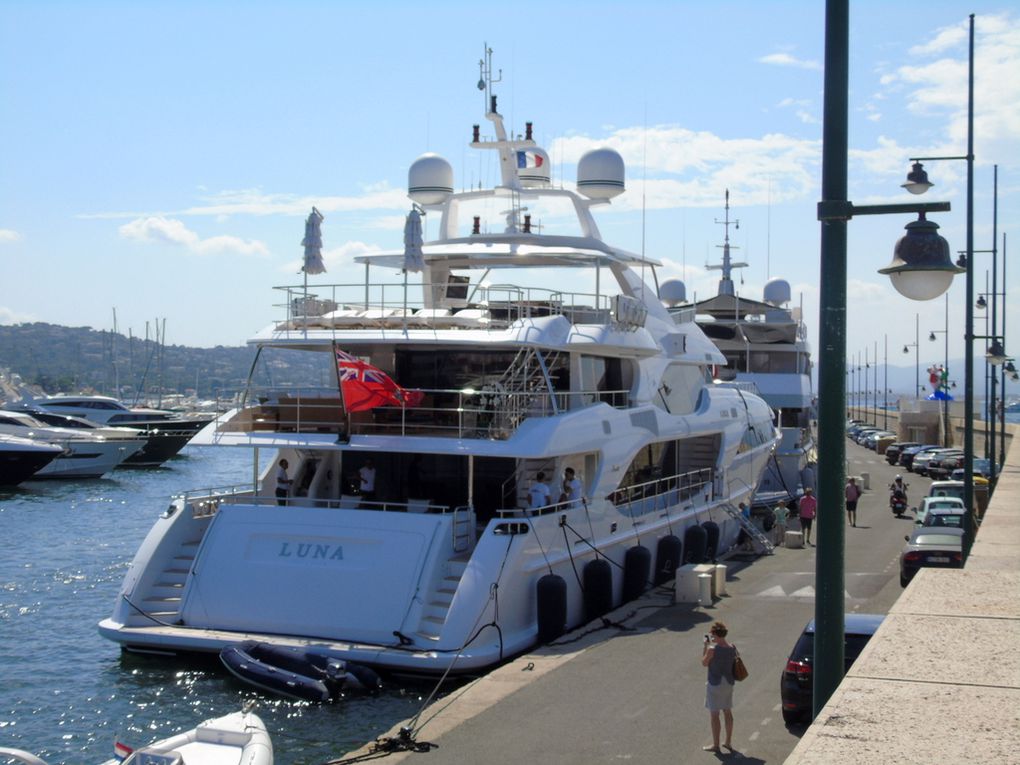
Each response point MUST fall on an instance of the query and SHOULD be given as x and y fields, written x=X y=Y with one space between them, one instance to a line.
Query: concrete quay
x=939 y=682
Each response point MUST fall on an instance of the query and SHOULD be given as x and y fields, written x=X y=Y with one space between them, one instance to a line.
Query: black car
x=908 y=454
x=892 y=451
x=795 y=684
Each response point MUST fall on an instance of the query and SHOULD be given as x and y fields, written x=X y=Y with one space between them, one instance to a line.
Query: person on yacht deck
x=571 y=488
x=539 y=494
x=367 y=478
x=283 y=482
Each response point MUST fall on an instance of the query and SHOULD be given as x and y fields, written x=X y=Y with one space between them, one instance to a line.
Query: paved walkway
x=939 y=683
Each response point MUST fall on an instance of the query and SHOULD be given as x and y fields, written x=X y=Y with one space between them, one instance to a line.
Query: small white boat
x=239 y=738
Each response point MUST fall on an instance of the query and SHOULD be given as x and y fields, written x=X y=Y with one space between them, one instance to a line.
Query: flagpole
x=343 y=402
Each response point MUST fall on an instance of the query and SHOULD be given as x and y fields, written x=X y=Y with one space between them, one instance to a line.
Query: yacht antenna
x=727 y=265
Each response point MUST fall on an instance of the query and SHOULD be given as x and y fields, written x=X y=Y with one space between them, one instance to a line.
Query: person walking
x=718 y=655
x=283 y=482
x=807 y=510
x=853 y=493
x=780 y=514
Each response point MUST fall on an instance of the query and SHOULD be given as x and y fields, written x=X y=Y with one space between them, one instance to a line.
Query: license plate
x=938 y=558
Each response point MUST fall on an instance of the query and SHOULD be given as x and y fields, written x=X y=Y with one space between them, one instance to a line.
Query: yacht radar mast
x=727 y=265
x=511 y=150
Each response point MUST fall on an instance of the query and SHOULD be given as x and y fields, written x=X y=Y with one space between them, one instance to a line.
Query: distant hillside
x=72 y=359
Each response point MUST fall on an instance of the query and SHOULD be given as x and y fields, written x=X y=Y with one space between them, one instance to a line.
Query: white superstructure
x=517 y=351
x=766 y=349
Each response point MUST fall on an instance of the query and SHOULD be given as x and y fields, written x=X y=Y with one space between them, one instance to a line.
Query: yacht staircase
x=765 y=545
x=163 y=601
x=437 y=605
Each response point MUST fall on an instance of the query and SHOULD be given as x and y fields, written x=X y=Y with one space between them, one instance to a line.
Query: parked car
x=871 y=440
x=795 y=685
x=941 y=465
x=930 y=547
x=907 y=455
x=892 y=452
x=864 y=433
x=940 y=515
x=854 y=429
x=925 y=466
x=982 y=467
x=921 y=460
x=930 y=503
x=979 y=477
x=946 y=489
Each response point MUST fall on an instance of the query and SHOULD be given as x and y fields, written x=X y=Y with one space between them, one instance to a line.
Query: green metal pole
x=829 y=585
x=968 y=415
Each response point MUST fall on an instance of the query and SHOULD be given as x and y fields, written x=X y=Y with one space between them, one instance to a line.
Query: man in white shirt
x=538 y=494
x=367 y=476
x=283 y=483
x=571 y=488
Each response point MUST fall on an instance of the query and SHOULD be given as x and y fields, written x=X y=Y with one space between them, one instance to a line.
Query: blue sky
x=159 y=158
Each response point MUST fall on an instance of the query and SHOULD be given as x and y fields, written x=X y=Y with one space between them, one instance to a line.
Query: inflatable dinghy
x=300 y=673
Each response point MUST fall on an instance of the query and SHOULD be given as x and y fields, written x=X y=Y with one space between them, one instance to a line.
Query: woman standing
x=718 y=656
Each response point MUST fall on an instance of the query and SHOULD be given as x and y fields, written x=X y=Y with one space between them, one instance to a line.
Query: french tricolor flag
x=527 y=159
x=121 y=751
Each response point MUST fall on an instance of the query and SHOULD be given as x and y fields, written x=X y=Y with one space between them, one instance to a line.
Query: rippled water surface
x=67 y=694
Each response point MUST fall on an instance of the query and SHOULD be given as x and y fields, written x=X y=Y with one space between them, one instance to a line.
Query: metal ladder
x=756 y=534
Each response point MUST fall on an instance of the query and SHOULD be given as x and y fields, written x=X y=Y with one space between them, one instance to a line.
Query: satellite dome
x=777 y=291
x=673 y=292
x=533 y=168
x=600 y=174
x=430 y=180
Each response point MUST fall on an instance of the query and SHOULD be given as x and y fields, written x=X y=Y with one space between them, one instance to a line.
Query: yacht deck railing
x=395 y=305
x=489 y=412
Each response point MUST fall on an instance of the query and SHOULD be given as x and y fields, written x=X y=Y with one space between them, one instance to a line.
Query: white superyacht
x=401 y=532
x=767 y=351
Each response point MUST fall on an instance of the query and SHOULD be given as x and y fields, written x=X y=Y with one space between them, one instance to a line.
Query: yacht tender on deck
x=492 y=380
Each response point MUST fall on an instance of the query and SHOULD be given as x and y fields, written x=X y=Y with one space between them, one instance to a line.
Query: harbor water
x=66 y=694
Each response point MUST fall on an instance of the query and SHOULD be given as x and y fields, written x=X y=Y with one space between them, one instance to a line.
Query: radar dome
x=673 y=292
x=600 y=174
x=777 y=291
x=430 y=180
x=533 y=168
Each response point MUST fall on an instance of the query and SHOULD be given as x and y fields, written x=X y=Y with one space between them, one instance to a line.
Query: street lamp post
x=916 y=345
x=917 y=183
x=919 y=269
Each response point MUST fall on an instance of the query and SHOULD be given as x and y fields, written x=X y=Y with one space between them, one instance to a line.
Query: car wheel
x=904 y=581
x=792 y=717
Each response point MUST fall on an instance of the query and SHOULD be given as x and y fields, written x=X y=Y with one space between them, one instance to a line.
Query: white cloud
x=259 y=203
x=689 y=168
x=8 y=235
x=785 y=59
x=9 y=316
x=174 y=232
x=937 y=88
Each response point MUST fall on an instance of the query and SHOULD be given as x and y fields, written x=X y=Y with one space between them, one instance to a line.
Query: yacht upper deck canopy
x=523 y=250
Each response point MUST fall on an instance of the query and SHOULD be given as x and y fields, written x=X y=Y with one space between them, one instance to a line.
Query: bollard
x=704 y=589
x=866 y=481
x=794 y=539
x=720 y=579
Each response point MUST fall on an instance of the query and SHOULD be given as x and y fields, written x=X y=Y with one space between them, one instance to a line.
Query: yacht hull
x=389 y=589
